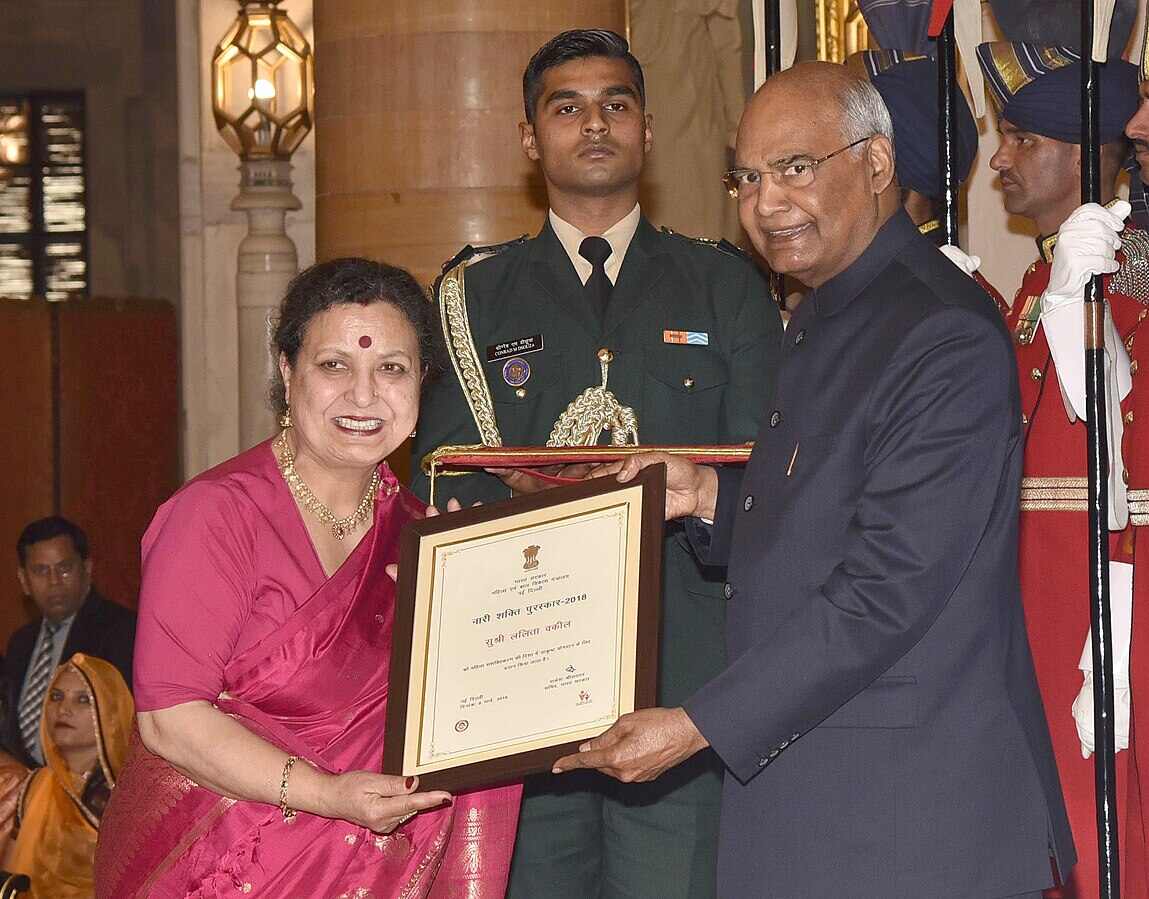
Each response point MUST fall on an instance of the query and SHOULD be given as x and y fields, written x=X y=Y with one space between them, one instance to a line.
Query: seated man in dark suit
x=55 y=572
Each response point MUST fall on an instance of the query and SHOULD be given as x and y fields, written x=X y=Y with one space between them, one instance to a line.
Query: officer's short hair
x=577 y=44
x=48 y=529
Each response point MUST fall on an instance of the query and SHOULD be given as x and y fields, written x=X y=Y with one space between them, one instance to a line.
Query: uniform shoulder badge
x=470 y=254
x=1132 y=279
x=723 y=245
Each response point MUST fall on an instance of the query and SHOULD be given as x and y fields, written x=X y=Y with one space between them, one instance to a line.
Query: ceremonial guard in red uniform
x=1037 y=90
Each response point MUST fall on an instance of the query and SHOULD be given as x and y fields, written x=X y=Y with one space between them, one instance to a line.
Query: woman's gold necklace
x=340 y=527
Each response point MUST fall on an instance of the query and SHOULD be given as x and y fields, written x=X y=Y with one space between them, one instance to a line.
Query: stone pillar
x=417 y=112
x=267 y=262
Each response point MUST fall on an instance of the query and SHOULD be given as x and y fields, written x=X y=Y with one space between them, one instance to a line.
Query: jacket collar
x=837 y=293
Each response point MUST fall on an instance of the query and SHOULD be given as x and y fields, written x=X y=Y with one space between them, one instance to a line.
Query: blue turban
x=909 y=87
x=1038 y=89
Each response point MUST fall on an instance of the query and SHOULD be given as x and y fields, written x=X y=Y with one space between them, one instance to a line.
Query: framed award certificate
x=522 y=629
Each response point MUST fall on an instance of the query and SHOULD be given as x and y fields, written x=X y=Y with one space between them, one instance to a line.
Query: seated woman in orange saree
x=238 y=615
x=84 y=731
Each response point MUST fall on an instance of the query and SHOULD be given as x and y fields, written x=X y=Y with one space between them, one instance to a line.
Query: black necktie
x=596 y=250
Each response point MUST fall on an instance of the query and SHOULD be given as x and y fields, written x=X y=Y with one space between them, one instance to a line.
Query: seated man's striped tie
x=32 y=702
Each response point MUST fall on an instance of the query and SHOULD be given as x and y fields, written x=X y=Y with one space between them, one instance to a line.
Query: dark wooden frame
x=514 y=766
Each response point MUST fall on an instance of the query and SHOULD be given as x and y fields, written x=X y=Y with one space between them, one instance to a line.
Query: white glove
x=1120 y=623
x=968 y=264
x=1086 y=246
x=1083 y=717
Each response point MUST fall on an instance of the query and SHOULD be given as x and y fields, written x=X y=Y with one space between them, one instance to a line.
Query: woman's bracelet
x=288 y=812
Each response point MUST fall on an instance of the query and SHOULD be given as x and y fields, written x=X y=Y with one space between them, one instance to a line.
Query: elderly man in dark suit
x=55 y=572
x=878 y=715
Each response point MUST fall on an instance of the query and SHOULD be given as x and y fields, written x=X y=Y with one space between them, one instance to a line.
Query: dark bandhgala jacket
x=102 y=628
x=879 y=711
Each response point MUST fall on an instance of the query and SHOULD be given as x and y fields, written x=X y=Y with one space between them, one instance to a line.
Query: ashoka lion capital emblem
x=530 y=558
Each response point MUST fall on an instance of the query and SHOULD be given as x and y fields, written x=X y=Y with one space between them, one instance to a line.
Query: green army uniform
x=693 y=340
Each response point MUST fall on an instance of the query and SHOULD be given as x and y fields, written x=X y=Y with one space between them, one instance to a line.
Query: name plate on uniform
x=522 y=629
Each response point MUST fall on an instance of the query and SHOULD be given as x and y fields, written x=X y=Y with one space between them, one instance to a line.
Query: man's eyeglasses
x=63 y=570
x=795 y=173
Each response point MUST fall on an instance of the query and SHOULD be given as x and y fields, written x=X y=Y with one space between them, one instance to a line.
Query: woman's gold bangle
x=288 y=813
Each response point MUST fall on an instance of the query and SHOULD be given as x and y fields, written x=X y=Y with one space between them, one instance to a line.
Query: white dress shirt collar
x=619 y=235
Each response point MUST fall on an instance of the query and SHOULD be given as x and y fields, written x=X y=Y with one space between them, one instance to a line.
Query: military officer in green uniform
x=604 y=329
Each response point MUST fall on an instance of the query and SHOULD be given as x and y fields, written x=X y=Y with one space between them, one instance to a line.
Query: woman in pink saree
x=264 y=641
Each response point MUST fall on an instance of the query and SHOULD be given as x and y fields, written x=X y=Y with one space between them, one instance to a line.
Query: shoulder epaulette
x=1132 y=279
x=723 y=245
x=471 y=253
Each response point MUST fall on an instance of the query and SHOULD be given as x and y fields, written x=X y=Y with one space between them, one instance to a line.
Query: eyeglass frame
x=730 y=176
x=64 y=570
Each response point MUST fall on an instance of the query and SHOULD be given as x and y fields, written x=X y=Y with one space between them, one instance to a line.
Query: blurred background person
x=85 y=727
x=55 y=573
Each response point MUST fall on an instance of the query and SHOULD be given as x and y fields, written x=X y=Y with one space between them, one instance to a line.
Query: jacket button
x=728 y=590
x=1035 y=373
x=1129 y=417
x=799 y=337
x=688 y=383
x=748 y=503
x=775 y=418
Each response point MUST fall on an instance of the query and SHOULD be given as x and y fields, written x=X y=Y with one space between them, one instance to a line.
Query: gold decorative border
x=1028 y=483
x=1054 y=495
x=464 y=357
x=840 y=29
x=432 y=460
x=1138 y=507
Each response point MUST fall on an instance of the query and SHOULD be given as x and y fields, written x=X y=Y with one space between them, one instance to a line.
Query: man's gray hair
x=864 y=114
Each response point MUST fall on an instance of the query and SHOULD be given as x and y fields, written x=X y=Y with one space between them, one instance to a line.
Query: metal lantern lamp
x=263 y=100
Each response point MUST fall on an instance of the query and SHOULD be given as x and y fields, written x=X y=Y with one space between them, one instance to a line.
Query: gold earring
x=285 y=419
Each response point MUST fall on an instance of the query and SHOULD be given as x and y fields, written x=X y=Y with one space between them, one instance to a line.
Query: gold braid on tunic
x=593 y=411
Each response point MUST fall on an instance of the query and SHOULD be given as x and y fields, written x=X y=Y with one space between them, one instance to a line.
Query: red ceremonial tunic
x=1054 y=560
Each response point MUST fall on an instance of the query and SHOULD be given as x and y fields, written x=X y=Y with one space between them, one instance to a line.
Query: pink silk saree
x=317 y=688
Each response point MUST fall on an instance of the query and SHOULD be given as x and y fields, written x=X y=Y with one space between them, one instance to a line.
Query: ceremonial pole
x=947 y=136
x=1105 y=770
x=773 y=65
x=773 y=37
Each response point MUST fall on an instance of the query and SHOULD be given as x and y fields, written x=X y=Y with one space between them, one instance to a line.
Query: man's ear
x=880 y=158
x=648 y=133
x=527 y=139
x=22 y=577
